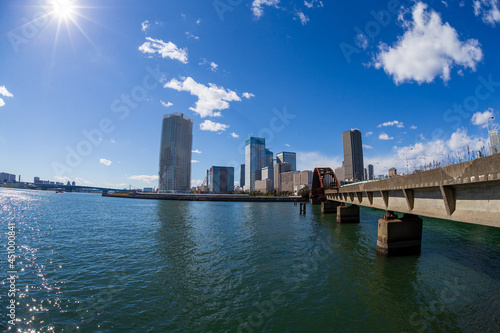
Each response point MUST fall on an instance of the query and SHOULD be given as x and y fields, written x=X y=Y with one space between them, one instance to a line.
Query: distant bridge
x=75 y=187
x=466 y=192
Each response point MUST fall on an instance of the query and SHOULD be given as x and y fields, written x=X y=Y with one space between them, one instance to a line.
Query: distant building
x=287 y=157
x=269 y=158
x=353 y=155
x=393 y=172
x=264 y=185
x=242 y=175
x=147 y=189
x=255 y=160
x=222 y=179
x=286 y=182
x=268 y=173
x=370 y=171
x=73 y=183
x=7 y=177
x=494 y=142
x=36 y=180
x=175 y=153
x=68 y=183
x=279 y=169
x=339 y=172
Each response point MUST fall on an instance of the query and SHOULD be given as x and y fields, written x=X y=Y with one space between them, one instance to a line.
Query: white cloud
x=81 y=181
x=396 y=123
x=234 y=135
x=6 y=93
x=311 y=160
x=190 y=35
x=145 y=178
x=488 y=9
x=145 y=25
x=196 y=151
x=257 y=9
x=287 y=145
x=198 y=21
x=105 y=162
x=385 y=137
x=62 y=179
x=209 y=98
x=362 y=41
x=211 y=126
x=213 y=66
x=367 y=146
x=482 y=118
x=313 y=3
x=303 y=18
x=196 y=182
x=413 y=127
x=368 y=133
x=166 y=50
x=195 y=161
x=248 y=95
x=428 y=48
x=167 y=105
x=422 y=137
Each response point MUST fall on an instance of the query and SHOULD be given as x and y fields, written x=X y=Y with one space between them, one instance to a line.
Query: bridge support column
x=328 y=207
x=348 y=214
x=399 y=236
x=314 y=200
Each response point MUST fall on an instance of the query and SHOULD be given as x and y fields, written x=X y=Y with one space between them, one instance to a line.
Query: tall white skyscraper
x=175 y=153
x=255 y=160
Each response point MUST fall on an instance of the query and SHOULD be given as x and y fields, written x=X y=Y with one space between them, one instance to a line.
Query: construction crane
x=204 y=182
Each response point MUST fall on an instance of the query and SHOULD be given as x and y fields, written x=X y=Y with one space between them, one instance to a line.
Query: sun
x=63 y=9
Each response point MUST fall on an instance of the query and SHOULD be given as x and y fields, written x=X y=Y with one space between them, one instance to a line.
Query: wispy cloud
x=211 y=126
x=368 y=133
x=311 y=160
x=145 y=25
x=396 y=123
x=166 y=50
x=196 y=151
x=144 y=178
x=413 y=127
x=190 y=35
x=210 y=98
x=257 y=6
x=212 y=65
x=302 y=17
x=367 y=146
x=195 y=161
x=428 y=48
x=105 y=162
x=489 y=10
x=287 y=145
x=81 y=181
x=234 y=135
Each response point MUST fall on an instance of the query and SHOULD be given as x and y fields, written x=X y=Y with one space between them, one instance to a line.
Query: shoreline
x=203 y=197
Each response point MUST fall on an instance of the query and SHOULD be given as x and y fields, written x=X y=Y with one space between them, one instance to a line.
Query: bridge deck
x=464 y=192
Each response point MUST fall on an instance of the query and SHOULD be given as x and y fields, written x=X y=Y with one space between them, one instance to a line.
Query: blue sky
x=84 y=84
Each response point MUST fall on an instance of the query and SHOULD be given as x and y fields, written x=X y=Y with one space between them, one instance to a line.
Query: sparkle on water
x=93 y=264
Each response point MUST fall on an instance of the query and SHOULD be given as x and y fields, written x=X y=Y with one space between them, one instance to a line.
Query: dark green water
x=121 y=265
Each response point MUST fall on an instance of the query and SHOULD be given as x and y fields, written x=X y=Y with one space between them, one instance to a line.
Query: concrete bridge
x=466 y=192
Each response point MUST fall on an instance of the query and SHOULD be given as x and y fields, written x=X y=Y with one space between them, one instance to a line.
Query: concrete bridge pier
x=348 y=214
x=328 y=207
x=314 y=200
x=399 y=236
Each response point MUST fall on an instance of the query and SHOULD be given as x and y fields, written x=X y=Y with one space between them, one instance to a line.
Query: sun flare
x=63 y=9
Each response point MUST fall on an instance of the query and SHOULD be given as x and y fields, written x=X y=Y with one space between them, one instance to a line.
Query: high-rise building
x=255 y=160
x=242 y=175
x=269 y=158
x=370 y=171
x=7 y=177
x=175 y=153
x=279 y=169
x=353 y=155
x=494 y=142
x=287 y=157
x=222 y=179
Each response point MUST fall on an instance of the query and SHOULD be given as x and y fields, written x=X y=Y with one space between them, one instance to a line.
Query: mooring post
x=302 y=207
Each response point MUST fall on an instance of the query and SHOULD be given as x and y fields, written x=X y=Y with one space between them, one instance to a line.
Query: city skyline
x=91 y=114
